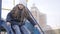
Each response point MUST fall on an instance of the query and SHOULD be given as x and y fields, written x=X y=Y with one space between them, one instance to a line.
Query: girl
x=17 y=16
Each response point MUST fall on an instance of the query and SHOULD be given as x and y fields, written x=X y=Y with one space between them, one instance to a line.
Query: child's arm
x=30 y=17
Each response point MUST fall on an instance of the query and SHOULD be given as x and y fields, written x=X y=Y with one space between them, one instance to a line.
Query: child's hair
x=15 y=12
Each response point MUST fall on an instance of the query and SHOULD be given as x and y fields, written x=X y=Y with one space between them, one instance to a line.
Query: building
x=40 y=17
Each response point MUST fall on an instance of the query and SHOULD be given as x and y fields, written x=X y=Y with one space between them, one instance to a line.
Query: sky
x=49 y=7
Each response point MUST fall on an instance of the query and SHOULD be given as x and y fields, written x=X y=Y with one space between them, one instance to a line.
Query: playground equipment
x=28 y=25
x=32 y=30
x=4 y=27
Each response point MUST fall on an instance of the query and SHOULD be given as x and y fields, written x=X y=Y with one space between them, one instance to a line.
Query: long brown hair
x=15 y=12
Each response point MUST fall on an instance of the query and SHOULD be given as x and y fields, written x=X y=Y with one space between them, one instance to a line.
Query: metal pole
x=0 y=13
x=37 y=23
x=0 y=8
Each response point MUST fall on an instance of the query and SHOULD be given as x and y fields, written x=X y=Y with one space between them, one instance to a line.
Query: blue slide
x=3 y=26
x=32 y=29
x=28 y=25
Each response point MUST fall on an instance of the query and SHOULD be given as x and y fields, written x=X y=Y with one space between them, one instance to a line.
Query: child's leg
x=25 y=30
x=16 y=29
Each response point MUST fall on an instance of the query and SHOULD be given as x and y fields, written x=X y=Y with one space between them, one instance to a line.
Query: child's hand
x=36 y=25
x=8 y=23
